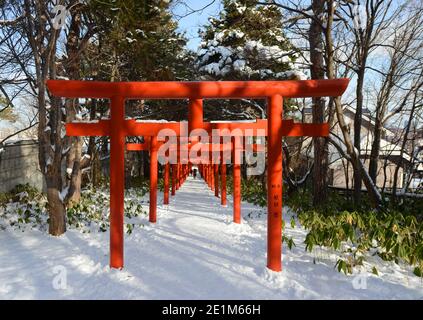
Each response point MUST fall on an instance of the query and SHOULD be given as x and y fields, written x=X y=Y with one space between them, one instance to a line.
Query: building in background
x=341 y=171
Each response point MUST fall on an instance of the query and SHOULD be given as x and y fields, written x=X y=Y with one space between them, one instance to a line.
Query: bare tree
x=30 y=44
x=321 y=146
x=352 y=151
x=351 y=33
x=403 y=51
x=76 y=43
x=366 y=21
x=416 y=104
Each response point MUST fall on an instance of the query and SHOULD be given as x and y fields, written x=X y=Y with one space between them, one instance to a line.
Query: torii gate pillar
x=117 y=181
x=223 y=183
x=166 y=183
x=153 y=180
x=274 y=183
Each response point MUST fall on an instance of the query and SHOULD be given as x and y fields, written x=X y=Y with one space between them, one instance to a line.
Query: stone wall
x=19 y=165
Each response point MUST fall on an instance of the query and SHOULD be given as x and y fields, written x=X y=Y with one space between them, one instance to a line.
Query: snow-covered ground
x=193 y=252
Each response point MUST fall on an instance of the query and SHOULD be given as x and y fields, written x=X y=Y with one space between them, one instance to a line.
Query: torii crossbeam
x=118 y=128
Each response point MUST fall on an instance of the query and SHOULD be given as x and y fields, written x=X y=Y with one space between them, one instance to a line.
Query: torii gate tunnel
x=210 y=176
x=117 y=127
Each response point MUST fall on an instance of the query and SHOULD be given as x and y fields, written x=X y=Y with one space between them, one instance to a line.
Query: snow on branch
x=6 y=23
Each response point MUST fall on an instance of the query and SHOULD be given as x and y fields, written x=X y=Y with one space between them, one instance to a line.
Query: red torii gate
x=118 y=128
x=179 y=176
x=179 y=173
x=210 y=171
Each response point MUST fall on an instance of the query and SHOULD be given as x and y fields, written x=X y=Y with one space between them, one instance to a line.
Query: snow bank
x=193 y=252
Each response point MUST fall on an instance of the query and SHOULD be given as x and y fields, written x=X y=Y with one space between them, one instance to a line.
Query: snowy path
x=193 y=252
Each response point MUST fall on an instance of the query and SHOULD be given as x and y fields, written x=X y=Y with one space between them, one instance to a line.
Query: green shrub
x=19 y=192
x=25 y=207
x=93 y=209
x=252 y=191
x=4 y=199
x=31 y=191
x=141 y=184
x=395 y=235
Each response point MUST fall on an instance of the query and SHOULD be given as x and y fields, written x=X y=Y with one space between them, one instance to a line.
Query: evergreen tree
x=247 y=43
x=137 y=40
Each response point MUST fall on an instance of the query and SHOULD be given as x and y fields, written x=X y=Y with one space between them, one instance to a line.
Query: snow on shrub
x=25 y=208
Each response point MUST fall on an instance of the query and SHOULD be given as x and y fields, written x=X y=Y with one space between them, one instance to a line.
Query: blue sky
x=190 y=24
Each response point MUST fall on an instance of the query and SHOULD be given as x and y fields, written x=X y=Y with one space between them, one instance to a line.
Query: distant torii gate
x=118 y=128
x=151 y=145
x=179 y=173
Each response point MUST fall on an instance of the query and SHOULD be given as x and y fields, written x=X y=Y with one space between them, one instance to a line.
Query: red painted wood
x=153 y=180
x=117 y=183
x=173 y=179
x=223 y=184
x=216 y=180
x=197 y=90
x=274 y=184
x=166 y=184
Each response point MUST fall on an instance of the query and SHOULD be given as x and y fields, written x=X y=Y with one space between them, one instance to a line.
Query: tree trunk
x=321 y=148
x=357 y=132
x=73 y=161
x=56 y=207
x=72 y=67
x=50 y=162
x=374 y=154
x=404 y=144
x=358 y=166
x=146 y=164
x=95 y=170
x=374 y=194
